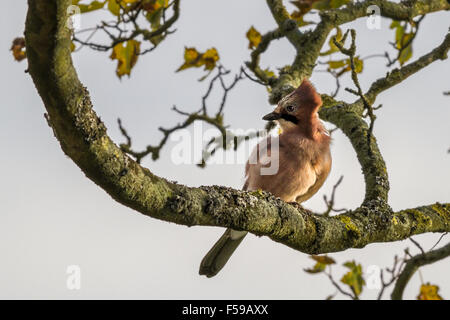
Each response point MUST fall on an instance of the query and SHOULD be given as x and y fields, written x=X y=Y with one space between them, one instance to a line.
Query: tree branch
x=398 y=75
x=253 y=64
x=308 y=44
x=413 y=264
x=83 y=137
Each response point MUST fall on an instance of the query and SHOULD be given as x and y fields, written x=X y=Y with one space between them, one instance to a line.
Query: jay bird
x=304 y=161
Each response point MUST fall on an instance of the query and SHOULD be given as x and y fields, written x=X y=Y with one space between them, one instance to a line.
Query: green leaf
x=94 y=5
x=114 y=7
x=359 y=64
x=126 y=56
x=321 y=263
x=354 y=278
x=332 y=46
x=269 y=73
x=401 y=40
x=337 y=64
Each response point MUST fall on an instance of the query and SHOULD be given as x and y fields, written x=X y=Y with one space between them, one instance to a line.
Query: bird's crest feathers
x=307 y=95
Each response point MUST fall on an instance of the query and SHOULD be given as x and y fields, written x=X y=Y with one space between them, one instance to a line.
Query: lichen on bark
x=83 y=138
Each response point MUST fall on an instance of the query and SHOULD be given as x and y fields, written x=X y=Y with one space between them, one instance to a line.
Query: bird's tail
x=218 y=255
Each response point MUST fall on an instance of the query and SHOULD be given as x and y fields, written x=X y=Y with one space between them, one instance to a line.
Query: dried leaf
x=18 y=49
x=323 y=259
x=321 y=263
x=154 y=5
x=303 y=6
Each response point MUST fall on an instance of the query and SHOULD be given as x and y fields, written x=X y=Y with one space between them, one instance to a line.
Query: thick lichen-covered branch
x=405 y=10
x=286 y=25
x=309 y=43
x=83 y=138
x=365 y=145
x=346 y=116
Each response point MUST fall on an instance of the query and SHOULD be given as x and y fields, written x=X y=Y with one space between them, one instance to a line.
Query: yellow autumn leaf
x=303 y=7
x=126 y=56
x=193 y=58
x=321 y=263
x=333 y=48
x=336 y=64
x=190 y=55
x=359 y=64
x=154 y=5
x=323 y=259
x=429 y=292
x=354 y=278
x=18 y=49
x=114 y=6
x=88 y=7
x=345 y=65
x=210 y=57
x=254 y=37
x=269 y=73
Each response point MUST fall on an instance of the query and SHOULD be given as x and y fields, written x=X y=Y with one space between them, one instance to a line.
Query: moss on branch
x=83 y=138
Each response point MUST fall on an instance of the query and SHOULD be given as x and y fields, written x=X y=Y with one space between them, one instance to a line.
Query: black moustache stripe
x=289 y=117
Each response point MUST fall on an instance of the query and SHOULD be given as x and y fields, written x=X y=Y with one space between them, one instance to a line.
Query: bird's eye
x=290 y=108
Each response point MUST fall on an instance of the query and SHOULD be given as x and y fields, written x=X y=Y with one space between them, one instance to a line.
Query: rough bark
x=83 y=138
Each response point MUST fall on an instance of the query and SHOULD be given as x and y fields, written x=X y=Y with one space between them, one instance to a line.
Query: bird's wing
x=279 y=171
x=321 y=168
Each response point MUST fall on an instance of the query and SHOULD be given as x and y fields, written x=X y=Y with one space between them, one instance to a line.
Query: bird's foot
x=298 y=206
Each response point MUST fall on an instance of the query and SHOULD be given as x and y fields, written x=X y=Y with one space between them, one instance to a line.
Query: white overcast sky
x=52 y=216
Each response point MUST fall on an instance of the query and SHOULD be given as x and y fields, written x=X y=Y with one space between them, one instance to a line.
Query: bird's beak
x=272 y=116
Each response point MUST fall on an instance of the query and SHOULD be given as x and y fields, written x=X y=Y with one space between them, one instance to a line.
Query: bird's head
x=297 y=109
